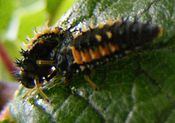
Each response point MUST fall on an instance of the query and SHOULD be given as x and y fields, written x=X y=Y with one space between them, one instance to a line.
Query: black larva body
x=40 y=48
x=125 y=36
x=84 y=52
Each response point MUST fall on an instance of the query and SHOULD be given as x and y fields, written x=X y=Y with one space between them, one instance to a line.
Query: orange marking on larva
x=28 y=46
x=104 y=51
x=98 y=37
x=95 y=54
x=84 y=29
x=55 y=30
x=46 y=30
x=113 y=47
x=101 y=26
x=33 y=41
x=92 y=25
x=85 y=57
x=107 y=50
x=77 y=56
x=118 y=21
x=41 y=42
x=37 y=36
x=110 y=22
x=76 y=35
x=109 y=34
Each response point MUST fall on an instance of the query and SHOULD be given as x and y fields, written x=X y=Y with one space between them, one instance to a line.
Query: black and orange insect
x=36 y=64
x=100 y=44
x=81 y=53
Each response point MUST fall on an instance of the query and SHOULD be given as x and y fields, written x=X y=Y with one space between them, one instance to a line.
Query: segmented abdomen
x=107 y=40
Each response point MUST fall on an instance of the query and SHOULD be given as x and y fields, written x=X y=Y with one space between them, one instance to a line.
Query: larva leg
x=50 y=76
x=37 y=88
x=38 y=85
x=44 y=62
x=28 y=93
x=90 y=82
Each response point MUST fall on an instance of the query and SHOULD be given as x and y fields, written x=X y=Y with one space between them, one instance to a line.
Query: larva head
x=37 y=60
x=27 y=66
x=25 y=79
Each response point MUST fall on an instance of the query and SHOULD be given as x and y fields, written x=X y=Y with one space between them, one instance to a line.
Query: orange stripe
x=113 y=47
x=85 y=57
x=77 y=56
x=104 y=51
x=95 y=54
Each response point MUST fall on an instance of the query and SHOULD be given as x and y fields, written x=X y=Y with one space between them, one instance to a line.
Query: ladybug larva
x=71 y=54
x=37 y=62
x=103 y=43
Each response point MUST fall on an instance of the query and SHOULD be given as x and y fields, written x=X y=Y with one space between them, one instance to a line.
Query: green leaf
x=134 y=89
x=56 y=8
x=6 y=9
x=31 y=18
x=16 y=24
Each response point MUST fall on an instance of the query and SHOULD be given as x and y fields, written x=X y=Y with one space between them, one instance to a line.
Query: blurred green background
x=19 y=19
